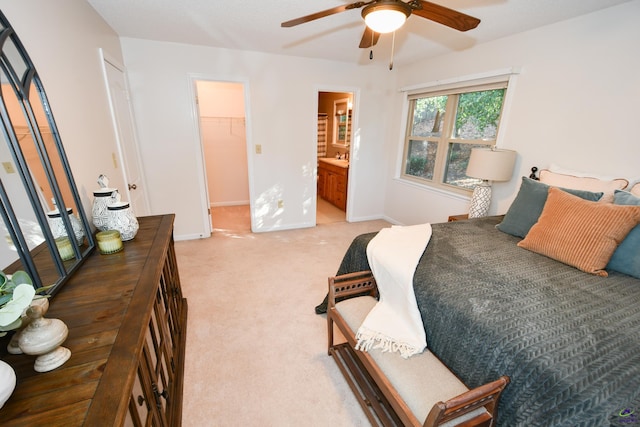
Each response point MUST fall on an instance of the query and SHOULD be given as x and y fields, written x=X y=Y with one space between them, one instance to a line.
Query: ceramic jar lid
x=104 y=192
x=117 y=206
x=56 y=213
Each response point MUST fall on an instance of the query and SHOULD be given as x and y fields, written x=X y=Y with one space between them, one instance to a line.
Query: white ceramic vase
x=57 y=225
x=101 y=199
x=7 y=382
x=122 y=219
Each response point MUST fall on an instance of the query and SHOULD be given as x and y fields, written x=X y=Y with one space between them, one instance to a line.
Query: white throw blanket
x=394 y=323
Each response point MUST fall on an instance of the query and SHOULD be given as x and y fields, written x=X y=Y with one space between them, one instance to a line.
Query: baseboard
x=179 y=237
x=374 y=218
x=233 y=203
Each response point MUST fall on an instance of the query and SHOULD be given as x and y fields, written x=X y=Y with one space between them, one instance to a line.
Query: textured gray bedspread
x=569 y=341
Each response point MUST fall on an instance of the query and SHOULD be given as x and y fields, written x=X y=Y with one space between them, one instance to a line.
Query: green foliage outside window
x=477 y=116
x=428 y=115
x=477 y=113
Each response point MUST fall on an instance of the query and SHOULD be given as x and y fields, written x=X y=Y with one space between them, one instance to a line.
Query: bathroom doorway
x=335 y=111
x=221 y=111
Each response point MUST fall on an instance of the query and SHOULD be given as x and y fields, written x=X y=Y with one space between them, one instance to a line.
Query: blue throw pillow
x=527 y=206
x=626 y=258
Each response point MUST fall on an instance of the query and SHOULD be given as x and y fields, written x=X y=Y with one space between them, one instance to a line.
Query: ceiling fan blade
x=322 y=14
x=445 y=16
x=369 y=38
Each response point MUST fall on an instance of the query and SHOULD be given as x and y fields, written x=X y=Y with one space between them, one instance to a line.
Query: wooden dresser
x=127 y=324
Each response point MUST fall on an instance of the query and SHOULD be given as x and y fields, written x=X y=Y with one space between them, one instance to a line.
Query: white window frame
x=493 y=80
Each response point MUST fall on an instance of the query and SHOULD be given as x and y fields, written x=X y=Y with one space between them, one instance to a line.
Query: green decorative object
x=16 y=294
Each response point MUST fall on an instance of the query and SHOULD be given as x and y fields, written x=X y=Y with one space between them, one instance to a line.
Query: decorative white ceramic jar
x=101 y=200
x=57 y=225
x=122 y=219
x=7 y=382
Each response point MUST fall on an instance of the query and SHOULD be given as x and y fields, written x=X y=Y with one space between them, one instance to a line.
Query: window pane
x=421 y=159
x=478 y=114
x=456 y=167
x=428 y=115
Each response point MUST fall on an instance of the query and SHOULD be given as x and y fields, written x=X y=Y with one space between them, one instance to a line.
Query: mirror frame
x=22 y=85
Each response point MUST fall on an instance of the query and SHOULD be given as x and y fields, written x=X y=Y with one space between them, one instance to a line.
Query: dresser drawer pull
x=158 y=395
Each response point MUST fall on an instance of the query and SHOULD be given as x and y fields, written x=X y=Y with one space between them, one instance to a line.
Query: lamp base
x=480 y=201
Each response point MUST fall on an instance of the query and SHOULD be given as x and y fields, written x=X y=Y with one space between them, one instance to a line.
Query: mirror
x=44 y=229
x=342 y=109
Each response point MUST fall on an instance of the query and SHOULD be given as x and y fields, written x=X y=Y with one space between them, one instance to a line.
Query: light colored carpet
x=256 y=351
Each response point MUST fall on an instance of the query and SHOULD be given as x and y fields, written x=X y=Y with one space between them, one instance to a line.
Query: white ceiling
x=255 y=25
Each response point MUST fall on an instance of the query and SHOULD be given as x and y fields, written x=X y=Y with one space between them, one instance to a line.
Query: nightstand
x=458 y=217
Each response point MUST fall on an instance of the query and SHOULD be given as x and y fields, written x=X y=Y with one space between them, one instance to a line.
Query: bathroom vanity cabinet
x=127 y=323
x=333 y=177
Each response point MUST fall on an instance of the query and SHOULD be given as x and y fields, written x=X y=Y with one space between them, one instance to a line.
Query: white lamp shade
x=385 y=17
x=491 y=164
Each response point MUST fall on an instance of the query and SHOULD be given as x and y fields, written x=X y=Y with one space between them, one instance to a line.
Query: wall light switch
x=258 y=149
x=115 y=162
x=8 y=167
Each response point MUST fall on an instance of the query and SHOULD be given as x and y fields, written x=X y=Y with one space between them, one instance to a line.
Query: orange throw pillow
x=578 y=232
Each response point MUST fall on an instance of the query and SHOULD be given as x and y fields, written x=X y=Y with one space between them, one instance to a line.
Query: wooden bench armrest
x=351 y=284
x=486 y=396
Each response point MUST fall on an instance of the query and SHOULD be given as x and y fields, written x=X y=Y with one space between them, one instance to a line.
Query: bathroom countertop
x=336 y=162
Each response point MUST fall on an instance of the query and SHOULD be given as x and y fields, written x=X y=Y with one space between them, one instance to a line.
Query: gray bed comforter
x=569 y=341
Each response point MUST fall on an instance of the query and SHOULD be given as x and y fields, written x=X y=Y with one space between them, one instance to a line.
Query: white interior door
x=122 y=114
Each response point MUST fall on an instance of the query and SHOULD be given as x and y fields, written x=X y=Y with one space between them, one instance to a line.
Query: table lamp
x=488 y=164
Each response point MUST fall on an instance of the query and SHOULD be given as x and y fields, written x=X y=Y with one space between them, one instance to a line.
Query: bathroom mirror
x=44 y=229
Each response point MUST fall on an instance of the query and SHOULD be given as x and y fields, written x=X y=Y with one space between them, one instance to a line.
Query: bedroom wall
x=281 y=112
x=62 y=39
x=575 y=104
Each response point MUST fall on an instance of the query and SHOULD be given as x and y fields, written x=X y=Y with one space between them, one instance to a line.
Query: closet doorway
x=335 y=111
x=221 y=113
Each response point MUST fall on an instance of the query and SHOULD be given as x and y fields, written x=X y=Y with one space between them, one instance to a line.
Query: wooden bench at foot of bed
x=418 y=391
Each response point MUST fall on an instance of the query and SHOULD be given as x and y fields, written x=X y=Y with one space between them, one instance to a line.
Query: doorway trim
x=353 y=148
x=201 y=167
x=106 y=58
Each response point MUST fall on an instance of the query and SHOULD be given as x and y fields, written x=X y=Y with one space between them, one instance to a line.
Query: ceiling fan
x=385 y=16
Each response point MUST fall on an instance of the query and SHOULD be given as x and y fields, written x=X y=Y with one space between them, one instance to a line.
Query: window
x=443 y=127
x=342 y=122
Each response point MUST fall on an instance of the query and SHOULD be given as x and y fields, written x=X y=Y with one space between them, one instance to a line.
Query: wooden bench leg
x=329 y=333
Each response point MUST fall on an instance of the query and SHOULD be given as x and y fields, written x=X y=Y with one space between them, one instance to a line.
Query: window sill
x=423 y=187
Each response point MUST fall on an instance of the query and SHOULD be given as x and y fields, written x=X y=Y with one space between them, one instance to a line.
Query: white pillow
x=635 y=190
x=584 y=183
x=558 y=169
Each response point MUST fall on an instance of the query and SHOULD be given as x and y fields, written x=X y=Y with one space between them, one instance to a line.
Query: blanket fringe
x=371 y=340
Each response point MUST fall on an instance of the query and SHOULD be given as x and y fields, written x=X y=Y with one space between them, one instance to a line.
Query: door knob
x=132 y=186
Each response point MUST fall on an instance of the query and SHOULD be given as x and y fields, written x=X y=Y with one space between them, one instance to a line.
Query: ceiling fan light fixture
x=386 y=16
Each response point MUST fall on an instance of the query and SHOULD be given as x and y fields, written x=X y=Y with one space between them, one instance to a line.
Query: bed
x=568 y=339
